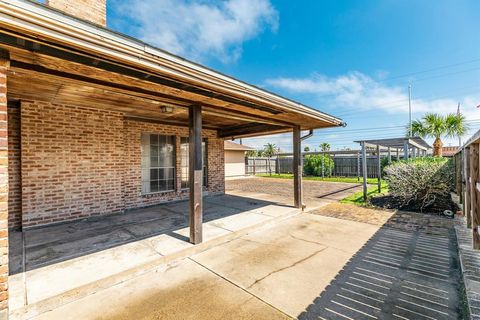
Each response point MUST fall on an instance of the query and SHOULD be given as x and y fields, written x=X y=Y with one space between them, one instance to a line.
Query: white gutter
x=48 y=24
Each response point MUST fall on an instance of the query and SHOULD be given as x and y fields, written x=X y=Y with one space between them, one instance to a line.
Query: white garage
x=235 y=159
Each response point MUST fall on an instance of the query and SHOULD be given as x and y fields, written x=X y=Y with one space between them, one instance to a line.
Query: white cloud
x=356 y=91
x=198 y=28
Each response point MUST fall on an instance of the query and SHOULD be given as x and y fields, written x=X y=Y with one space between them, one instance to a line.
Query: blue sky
x=352 y=59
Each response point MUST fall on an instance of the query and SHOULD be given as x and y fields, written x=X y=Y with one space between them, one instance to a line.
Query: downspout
x=308 y=135
x=305 y=137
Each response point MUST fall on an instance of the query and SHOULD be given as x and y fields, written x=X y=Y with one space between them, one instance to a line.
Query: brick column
x=4 y=64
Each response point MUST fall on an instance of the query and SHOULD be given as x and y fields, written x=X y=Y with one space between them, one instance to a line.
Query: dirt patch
x=437 y=207
x=354 y=213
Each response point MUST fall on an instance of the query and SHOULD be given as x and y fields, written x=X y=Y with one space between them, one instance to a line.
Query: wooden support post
x=195 y=174
x=474 y=194
x=389 y=155
x=358 y=166
x=4 y=244
x=364 y=171
x=297 y=168
x=466 y=175
x=398 y=154
x=406 y=146
x=379 y=169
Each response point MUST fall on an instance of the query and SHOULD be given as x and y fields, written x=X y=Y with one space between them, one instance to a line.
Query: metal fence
x=346 y=164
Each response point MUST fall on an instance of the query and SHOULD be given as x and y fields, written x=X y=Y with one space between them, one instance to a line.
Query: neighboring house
x=235 y=159
x=93 y=122
x=449 y=151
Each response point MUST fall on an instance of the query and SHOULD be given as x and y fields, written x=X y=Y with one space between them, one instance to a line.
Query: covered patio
x=63 y=262
x=108 y=143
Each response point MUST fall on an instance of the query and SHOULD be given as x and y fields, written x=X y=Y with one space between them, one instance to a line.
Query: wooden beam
x=379 y=170
x=364 y=171
x=141 y=93
x=466 y=183
x=195 y=174
x=297 y=168
x=474 y=195
x=247 y=129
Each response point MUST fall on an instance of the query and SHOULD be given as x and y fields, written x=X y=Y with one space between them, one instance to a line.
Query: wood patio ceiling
x=36 y=75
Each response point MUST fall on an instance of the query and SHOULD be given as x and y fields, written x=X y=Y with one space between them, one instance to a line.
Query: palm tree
x=269 y=151
x=325 y=146
x=436 y=126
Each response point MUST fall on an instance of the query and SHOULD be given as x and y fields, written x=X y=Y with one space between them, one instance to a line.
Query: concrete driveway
x=315 y=193
x=275 y=272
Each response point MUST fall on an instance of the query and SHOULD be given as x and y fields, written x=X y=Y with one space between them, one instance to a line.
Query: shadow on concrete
x=408 y=270
x=42 y=246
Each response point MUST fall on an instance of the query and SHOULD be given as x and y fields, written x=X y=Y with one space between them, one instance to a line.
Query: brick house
x=94 y=122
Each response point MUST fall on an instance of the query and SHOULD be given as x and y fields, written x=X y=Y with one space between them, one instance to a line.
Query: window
x=184 y=148
x=158 y=163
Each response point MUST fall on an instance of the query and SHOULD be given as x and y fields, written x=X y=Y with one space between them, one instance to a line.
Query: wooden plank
x=297 y=168
x=474 y=195
x=364 y=171
x=250 y=128
x=195 y=174
x=466 y=183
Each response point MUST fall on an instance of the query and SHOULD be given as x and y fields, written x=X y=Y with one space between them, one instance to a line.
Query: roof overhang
x=397 y=143
x=62 y=53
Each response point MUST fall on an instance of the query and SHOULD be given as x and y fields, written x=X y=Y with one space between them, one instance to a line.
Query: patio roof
x=61 y=59
x=398 y=143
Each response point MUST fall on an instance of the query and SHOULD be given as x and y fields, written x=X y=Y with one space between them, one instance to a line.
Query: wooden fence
x=467 y=184
x=345 y=165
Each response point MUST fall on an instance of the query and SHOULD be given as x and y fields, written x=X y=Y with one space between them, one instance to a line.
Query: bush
x=421 y=182
x=313 y=165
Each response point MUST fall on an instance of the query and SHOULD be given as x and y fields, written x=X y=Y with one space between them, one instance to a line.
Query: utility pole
x=410 y=108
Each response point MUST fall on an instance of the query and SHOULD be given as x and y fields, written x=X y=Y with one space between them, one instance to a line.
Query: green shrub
x=420 y=182
x=313 y=165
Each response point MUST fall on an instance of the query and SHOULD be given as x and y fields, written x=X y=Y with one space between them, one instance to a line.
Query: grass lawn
x=357 y=198
x=327 y=179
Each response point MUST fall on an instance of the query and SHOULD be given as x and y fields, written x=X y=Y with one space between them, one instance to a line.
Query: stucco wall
x=234 y=163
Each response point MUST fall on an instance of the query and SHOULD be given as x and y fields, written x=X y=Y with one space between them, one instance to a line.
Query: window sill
x=157 y=193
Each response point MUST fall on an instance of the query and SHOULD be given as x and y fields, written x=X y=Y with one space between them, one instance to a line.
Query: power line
x=431 y=69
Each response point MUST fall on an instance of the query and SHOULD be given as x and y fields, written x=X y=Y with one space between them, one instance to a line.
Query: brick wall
x=78 y=162
x=4 y=63
x=72 y=162
x=91 y=10
x=14 y=168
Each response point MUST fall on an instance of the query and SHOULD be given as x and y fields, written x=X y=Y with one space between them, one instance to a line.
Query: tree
x=306 y=149
x=325 y=146
x=269 y=151
x=436 y=126
x=252 y=153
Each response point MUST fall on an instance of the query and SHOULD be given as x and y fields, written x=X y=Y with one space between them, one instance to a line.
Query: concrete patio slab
x=274 y=272
x=183 y=290
x=81 y=257
x=279 y=263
